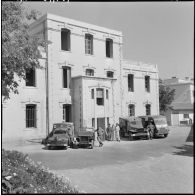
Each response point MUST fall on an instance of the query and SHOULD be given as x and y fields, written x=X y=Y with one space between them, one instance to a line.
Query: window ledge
x=66 y=51
x=92 y=55
x=30 y=87
x=31 y=129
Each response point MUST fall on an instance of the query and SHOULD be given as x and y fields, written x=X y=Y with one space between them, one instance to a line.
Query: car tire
x=165 y=135
x=130 y=137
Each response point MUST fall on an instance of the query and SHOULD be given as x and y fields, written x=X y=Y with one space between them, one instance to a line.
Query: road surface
x=144 y=166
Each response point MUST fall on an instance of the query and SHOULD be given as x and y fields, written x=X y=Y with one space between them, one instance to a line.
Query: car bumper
x=56 y=145
x=140 y=135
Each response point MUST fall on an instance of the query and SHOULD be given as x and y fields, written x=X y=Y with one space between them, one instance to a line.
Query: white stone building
x=84 y=80
x=183 y=103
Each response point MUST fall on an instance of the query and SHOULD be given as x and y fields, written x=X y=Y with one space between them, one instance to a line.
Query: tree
x=166 y=97
x=19 y=49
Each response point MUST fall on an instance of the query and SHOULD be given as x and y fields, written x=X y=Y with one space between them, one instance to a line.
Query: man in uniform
x=100 y=132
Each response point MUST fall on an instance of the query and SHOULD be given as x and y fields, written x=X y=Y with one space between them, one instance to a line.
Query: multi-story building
x=183 y=103
x=84 y=80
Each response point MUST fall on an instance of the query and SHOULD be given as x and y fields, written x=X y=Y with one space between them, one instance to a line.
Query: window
x=186 y=116
x=89 y=72
x=109 y=48
x=148 y=109
x=147 y=83
x=67 y=112
x=130 y=82
x=93 y=122
x=92 y=94
x=66 y=77
x=65 y=39
x=106 y=93
x=131 y=110
x=110 y=74
x=31 y=119
x=30 y=78
x=88 y=44
x=100 y=96
x=107 y=120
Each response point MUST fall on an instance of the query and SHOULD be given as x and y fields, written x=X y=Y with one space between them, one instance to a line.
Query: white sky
x=160 y=33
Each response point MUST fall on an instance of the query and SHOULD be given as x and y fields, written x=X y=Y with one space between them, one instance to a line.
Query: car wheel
x=130 y=137
x=92 y=145
x=165 y=135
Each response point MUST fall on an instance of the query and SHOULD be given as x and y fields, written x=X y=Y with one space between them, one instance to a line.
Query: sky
x=159 y=33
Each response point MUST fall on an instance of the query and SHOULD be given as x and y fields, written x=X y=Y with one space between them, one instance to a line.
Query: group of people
x=112 y=133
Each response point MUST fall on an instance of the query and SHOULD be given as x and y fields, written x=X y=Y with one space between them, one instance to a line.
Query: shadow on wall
x=190 y=137
x=185 y=150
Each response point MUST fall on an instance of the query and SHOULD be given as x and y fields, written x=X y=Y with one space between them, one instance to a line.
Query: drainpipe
x=47 y=80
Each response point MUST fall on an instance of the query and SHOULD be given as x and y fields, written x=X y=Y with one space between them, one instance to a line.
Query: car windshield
x=60 y=132
x=160 y=121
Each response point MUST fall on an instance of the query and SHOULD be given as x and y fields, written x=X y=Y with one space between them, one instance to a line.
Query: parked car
x=133 y=128
x=84 y=138
x=160 y=124
x=61 y=136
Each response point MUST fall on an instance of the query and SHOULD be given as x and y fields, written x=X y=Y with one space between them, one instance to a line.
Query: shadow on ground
x=185 y=150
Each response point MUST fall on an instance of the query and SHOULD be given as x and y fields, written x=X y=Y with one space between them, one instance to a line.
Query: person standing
x=117 y=132
x=113 y=133
x=109 y=131
x=100 y=132
x=150 y=129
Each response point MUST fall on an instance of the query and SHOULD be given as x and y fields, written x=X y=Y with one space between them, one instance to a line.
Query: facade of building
x=183 y=103
x=84 y=80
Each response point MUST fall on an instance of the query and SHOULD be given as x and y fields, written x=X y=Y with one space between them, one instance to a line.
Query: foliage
x=19 y=49
x=166 y=97
x=22 y=175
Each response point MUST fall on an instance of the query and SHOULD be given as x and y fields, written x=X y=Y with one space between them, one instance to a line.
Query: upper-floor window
x=93 y=122
x=100 y=96
x=89 y=72
x=30 y=77
x=65 y=39
x=147 y=83
x=66 y=71
x=110 y=74
x=109 y=48
x=130 y=82
x=92 y=93
x=186 y=116
x=31 y=116
x=131 y=110
x=148 y=109
x=88 y=44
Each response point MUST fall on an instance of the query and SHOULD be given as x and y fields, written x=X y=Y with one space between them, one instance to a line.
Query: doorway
x=101 y=123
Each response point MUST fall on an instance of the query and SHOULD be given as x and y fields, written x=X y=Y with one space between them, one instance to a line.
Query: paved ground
x=145 y=166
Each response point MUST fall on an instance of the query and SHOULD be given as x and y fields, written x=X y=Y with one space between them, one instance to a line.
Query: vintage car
x=159 y=122
x=133 y=128
x=61 y=136
x=84 y=138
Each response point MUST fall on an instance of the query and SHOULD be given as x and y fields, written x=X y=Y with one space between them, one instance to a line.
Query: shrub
x=20 y=174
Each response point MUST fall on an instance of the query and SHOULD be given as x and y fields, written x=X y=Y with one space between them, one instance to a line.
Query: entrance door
x=101 y=123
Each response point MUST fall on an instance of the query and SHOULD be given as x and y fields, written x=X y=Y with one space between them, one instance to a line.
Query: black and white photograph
x=97 y=97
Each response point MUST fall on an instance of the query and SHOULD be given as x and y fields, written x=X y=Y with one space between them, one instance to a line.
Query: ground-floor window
x=93 y=122
x=148 y=109
x=31 y=116
x=131 y=110
x=67 y=112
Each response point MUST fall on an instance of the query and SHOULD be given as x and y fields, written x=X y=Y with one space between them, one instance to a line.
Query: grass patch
x=20 y=174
